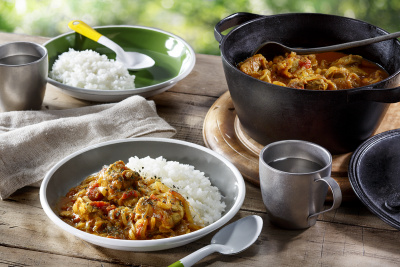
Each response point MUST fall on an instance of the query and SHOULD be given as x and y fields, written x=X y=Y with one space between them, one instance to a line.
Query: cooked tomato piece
x=130 y=193
x=94 y=193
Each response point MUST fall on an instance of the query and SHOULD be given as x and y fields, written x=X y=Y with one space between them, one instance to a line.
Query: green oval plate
x=174 y=60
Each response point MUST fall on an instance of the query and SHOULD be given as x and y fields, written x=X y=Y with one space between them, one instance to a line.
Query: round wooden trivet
x=219 y=135
x=223 y=133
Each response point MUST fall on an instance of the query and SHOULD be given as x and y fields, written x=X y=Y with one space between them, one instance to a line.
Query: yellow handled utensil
x=132 y=60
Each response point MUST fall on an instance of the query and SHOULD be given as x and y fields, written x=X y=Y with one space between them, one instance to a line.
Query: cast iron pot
x=337 y=120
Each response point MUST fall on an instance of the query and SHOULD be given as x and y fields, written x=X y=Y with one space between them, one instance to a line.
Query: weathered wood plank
x=187 y=114
x=331 y=244
x=12 y=257
x=207 y=78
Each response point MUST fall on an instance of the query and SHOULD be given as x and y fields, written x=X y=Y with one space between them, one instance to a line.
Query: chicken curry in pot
x=325 y=71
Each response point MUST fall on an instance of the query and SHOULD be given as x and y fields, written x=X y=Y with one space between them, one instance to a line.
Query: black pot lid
x=374 y=174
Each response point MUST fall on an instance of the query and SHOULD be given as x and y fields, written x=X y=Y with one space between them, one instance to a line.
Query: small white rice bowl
x=90 y=70
x=205 y=200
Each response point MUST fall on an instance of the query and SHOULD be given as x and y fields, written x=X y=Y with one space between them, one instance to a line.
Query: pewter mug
x=294 y=193
x=23 y=76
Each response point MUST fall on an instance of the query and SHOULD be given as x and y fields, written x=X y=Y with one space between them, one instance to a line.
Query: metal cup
x=23 y=76
x=294 y=180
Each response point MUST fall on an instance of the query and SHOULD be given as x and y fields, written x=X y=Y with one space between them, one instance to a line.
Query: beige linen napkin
x=31 y=142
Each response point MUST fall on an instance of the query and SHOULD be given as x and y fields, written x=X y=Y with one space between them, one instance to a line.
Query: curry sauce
x=118 y=202
x=325 y=71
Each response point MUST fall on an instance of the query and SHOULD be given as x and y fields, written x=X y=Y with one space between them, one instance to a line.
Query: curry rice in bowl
x=179 y=159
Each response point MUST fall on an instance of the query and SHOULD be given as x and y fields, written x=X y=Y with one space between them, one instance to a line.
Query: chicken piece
x=86 y=209
x=342 y=77
x=90 y=215
x=82 y=207
x=349 y=60
x=318 y=82
x=296 y=83
x=102 y=217
x=294 y=66
x=336 y=73
x=118 y=183
x=254 y=65
x=286 y=67
x=156 y=214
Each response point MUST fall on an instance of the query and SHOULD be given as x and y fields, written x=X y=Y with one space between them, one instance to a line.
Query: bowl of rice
x=87 y=70
x=212 y=186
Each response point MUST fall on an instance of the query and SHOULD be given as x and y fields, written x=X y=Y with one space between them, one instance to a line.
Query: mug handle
x=336 y=192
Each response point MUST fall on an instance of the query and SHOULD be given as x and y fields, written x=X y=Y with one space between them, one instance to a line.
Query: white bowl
x=70 y=171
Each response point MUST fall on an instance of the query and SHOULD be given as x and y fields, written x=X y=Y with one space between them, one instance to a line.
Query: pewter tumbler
x=294 y=193
x=23 y=76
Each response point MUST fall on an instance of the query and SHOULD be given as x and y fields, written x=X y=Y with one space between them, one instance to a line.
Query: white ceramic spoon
x=231 y=239
x=132 y=60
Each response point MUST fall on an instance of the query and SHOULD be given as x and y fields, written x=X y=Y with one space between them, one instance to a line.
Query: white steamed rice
x=90 y=70
x=204 y=199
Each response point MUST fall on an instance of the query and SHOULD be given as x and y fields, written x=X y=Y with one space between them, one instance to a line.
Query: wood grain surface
x=348 y=236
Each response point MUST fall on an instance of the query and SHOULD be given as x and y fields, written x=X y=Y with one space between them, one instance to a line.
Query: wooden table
x=349 y=236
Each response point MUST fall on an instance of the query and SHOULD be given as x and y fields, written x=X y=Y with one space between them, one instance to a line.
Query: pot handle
x=231 y=21
x=384 y=95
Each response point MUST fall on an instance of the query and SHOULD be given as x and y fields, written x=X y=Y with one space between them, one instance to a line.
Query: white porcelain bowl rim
x=144 y=245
